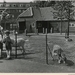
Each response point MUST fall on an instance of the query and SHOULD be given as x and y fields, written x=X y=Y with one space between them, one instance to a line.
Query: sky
x=16 y=0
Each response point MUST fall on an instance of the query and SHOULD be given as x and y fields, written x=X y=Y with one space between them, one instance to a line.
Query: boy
x=57 y=51
x=7 y=41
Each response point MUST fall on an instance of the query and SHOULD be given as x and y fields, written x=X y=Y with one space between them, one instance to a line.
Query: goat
x=20 y=43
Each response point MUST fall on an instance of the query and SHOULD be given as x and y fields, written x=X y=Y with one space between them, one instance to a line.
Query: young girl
x=7 y=41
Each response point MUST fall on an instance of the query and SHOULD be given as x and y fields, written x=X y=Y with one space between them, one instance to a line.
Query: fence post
x=51 y=30
x=26 y=32
x=16 y=44
x=46 y=48
x=37 y=31
x=43 y=31
x=0 y=54
x=1 y=50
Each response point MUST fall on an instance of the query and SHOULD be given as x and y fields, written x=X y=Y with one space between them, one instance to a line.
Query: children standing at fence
x=7 y=41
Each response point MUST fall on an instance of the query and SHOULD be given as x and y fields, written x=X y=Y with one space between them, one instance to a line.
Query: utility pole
x=46 y=48
x=68 y=22
x=15 y=44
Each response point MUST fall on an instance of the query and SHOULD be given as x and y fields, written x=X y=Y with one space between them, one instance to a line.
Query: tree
x=39 y=3
x=4 y=16
x=63 y=10
x=50 y=3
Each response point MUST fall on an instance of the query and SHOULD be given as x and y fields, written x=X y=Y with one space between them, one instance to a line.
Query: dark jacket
x=7 y=41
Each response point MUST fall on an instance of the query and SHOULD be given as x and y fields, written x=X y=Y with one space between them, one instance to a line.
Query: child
x=7 y=41
x=61 y=57
x=57 y=51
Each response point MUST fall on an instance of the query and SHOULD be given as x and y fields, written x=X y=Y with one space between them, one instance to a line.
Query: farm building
x=41 y=18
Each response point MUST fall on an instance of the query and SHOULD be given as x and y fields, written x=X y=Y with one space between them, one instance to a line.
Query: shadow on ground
x=69 y=63
x=36 y=59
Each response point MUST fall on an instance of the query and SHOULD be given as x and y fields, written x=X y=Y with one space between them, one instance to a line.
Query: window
x=12 y=16
x=21 y=5
x=11 y=26
x=19 y=10
x=72 y=25
x=24 y=5
x=14 y=26
x=27 y=5
x=10 y=5
x=0 y=4
x=14 y=5
x=69 y=24
x=11 y=10
x=7 y=5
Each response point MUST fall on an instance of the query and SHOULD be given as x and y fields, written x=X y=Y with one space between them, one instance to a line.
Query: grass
x=37 y=50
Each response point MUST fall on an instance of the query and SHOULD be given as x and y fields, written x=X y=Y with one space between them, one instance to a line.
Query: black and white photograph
x=37 y=36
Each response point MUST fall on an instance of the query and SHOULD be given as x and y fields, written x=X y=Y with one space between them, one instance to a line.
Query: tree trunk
x=61 y=27
x=61 y=24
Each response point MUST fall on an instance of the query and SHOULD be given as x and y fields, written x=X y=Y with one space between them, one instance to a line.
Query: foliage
x=5 y=15
x=63 y=10
x=44 y=3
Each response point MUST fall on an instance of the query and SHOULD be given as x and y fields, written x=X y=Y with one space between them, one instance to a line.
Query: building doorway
x=22 y=26
x=40 y=25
